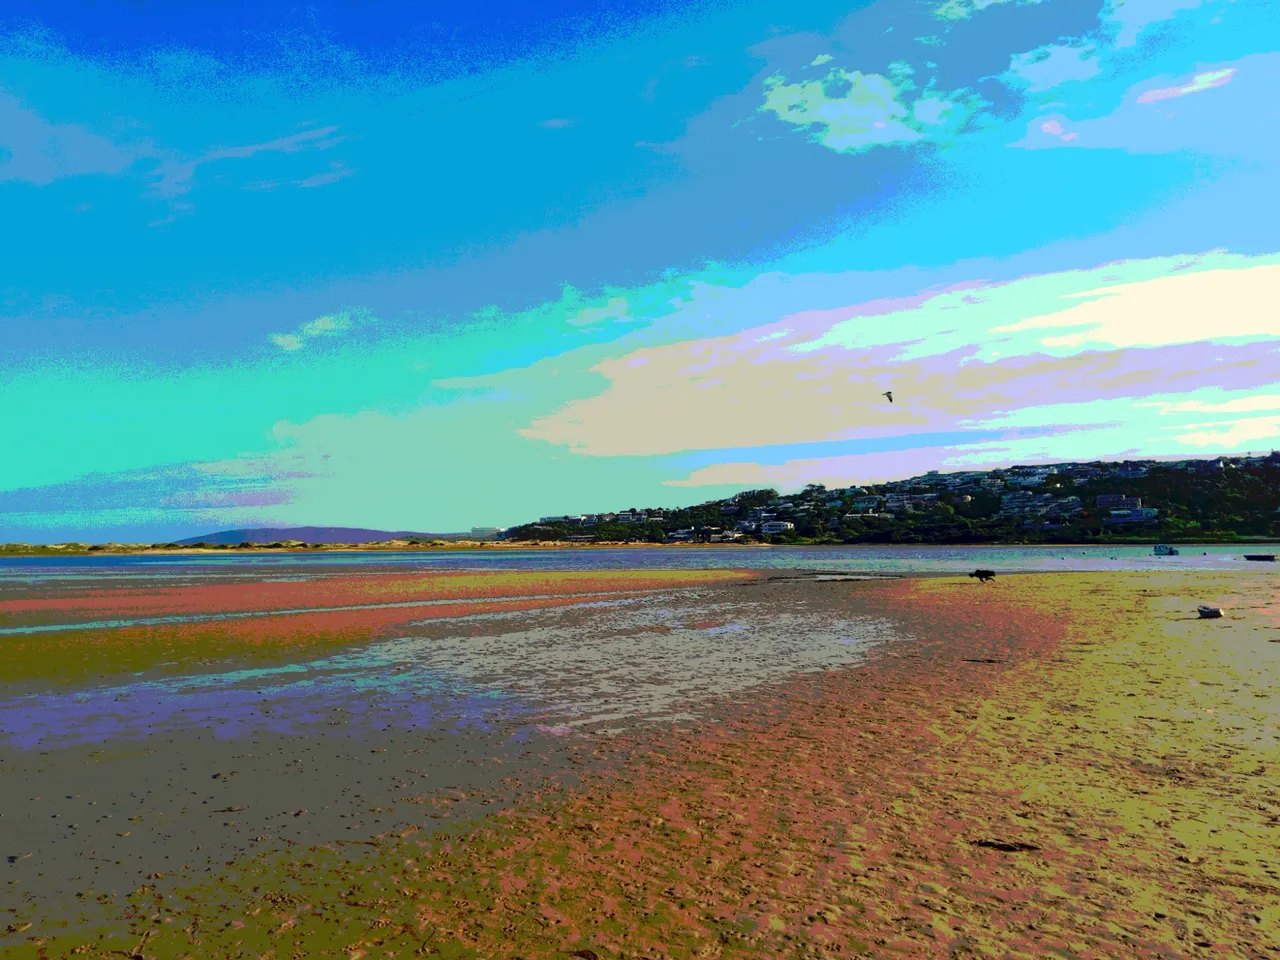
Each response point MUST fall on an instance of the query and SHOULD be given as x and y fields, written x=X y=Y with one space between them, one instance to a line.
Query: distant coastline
x=138 y=550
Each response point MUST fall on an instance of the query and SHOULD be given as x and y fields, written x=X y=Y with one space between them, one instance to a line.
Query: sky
x=432 y=266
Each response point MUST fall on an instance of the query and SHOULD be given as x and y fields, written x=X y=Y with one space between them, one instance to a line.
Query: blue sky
x=426 y=268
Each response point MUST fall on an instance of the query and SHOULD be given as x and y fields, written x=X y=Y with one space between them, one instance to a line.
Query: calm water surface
x=870 y=559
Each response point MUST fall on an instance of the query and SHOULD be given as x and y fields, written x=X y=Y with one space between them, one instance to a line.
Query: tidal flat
x=640 y=764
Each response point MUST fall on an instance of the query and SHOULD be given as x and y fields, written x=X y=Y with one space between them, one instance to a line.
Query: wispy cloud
x=1249 y=404
x=40 y=152
x=174 y=177
x=327 y=325
x=337 y=171
x=1198 y=83
x=1146 y=121
x=287 y=341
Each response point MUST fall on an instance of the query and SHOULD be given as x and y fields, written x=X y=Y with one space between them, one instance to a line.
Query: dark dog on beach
x=984 y=575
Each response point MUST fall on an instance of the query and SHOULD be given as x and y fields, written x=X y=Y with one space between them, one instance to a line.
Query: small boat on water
x=1164 y=550
x=1265 y=557
x=1208 y=613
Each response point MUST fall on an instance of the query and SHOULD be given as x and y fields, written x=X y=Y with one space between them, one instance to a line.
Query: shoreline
x=473 y=545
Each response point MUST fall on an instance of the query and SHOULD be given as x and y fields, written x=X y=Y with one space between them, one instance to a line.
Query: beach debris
x=1208 y=613
x=984 y=575
x=1008 y=846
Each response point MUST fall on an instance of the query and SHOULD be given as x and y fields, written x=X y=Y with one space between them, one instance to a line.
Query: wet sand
x=291 y=736
x=1050 y=765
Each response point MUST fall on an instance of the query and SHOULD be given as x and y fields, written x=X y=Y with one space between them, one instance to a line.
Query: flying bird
x=889 y=394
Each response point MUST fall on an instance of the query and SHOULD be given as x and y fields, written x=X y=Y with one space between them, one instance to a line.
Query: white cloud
x=1181 y=308
x=1232 y=434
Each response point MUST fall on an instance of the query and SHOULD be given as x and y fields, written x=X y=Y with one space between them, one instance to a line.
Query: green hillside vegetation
x=1205 y=501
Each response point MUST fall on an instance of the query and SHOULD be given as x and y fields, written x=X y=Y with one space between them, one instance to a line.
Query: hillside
x=303 y=534
x=1223 y=499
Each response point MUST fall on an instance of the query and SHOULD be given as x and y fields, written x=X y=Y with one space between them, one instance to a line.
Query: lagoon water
x=865 y=559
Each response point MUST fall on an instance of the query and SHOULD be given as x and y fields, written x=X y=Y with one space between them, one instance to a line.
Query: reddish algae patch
x=79 y=653
x=335 y=591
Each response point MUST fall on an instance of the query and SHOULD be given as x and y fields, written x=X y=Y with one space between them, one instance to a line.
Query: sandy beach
x=1067 y=765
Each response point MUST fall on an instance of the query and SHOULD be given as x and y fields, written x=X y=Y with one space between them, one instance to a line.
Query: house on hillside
x=1118 y=501
x=1139 y=515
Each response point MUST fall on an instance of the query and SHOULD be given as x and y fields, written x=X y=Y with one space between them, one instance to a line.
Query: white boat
x=1164 y=550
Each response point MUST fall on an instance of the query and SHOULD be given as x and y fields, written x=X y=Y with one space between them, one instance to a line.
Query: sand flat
x=1050 y=765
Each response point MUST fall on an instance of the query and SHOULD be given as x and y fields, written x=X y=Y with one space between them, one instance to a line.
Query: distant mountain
x=308 y=535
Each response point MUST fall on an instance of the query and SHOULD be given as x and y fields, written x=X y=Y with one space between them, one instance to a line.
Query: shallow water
x=591 y=664
x=861 y=558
